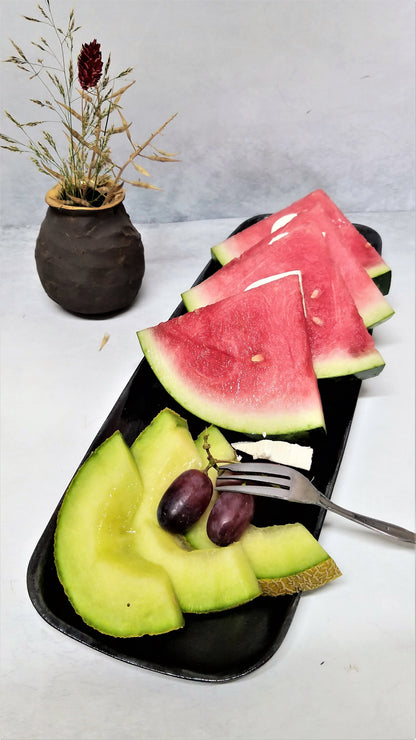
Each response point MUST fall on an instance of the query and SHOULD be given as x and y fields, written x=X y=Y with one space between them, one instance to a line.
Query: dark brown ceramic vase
x=89 y=260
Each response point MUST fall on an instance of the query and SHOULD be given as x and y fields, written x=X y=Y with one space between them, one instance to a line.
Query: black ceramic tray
x=214 y=647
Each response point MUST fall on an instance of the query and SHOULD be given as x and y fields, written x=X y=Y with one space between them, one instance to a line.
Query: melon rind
x=307 y=580
x=338 y=365
x=223 y=252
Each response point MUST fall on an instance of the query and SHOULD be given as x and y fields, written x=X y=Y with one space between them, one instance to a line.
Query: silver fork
x=279 y=481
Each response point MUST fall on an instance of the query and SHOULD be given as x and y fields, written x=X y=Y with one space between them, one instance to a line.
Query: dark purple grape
x=230 y=517
x=185 y=501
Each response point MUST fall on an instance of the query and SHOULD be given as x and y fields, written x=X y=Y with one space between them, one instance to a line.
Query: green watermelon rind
x=378 y=271
x=339 y=365
x=375 y=315
x=221 y=254
x=256 y=422
x=382 y=280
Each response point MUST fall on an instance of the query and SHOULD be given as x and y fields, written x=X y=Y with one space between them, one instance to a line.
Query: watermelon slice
x=372 y=306
x=340 y=343
x=364 y=252
x=243 y=363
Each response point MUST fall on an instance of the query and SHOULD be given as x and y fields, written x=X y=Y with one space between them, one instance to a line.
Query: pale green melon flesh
x=281 y=550
x=111 y=588
x=219 y=448
x=204 y=580
x=159 y=442
x=209 y=580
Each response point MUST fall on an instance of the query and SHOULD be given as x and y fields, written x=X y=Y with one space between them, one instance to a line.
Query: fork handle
x=391 y=529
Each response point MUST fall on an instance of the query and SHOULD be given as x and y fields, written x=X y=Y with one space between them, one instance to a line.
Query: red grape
x=185 y=501
x=230 y=517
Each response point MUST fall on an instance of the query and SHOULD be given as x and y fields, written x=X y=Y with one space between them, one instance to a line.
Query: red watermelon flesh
x=340 y=343
x=364 y=252
x=372 y=306
x=243 y=363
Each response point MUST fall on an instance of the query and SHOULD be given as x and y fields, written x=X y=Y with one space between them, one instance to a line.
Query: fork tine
x=278 y=481
x=278 y=471
x=267 y=491
x=225 y=479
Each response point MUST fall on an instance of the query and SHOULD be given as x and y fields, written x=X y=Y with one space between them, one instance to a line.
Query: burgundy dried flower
x=90 y=65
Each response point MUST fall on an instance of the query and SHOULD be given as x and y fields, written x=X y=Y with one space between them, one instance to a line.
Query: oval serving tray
x=221 y=646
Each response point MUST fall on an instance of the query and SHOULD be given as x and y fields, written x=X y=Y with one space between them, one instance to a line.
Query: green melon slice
x=340 y=343
x=285 y=558
x=210 y=580
x=170 y=431
x=362 y=250
x=243 y=363
x=108 y=585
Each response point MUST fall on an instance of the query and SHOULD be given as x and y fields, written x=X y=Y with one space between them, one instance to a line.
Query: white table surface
x=346 y=666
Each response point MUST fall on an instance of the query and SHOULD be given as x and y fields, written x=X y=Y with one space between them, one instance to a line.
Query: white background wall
x=275 y=98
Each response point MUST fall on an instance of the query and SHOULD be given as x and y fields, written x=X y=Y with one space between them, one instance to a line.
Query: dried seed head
x=90 y=65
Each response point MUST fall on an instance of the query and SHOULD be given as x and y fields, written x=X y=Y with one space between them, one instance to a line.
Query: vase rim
x=52 y=200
